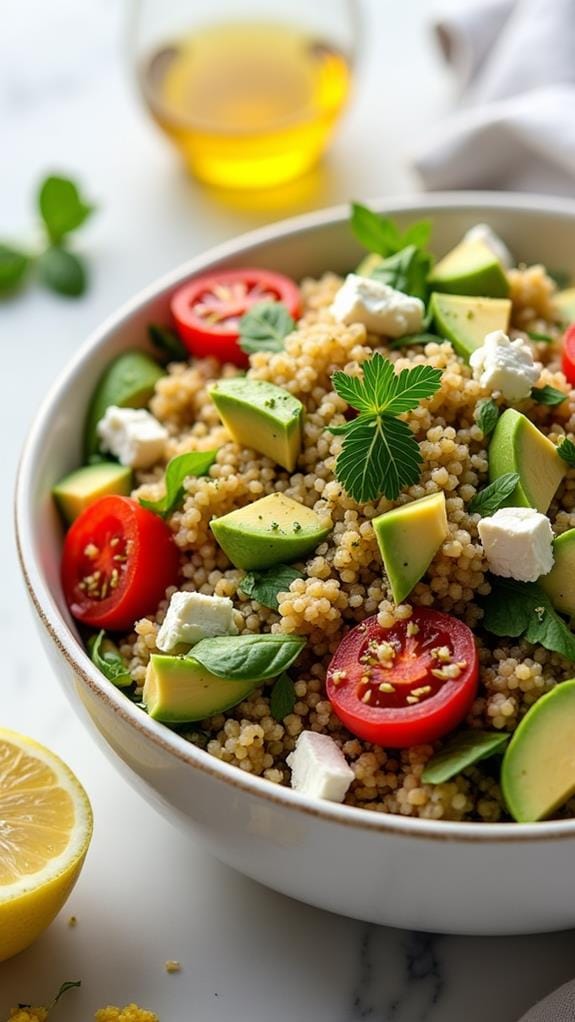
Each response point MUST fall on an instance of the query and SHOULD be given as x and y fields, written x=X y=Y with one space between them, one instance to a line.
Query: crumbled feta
x=518 y=543
x=380 y=308
x=319 y=768
x=506 y=366
x=486 y=234
x=193 y=616
x=132 y=435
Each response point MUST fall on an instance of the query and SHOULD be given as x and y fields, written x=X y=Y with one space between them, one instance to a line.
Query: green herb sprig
x=460 y=751
x=248 y=657
x=380 y=455
x=264 y=586
x=283 y=697
x=167 y=343
x=380 y=234
x=522 y=608
x=194 y=463
x=108 y=659
x=494 y=496
x=486 y=416
x=566 y=450
x=264 y=327
x=548 y=395
x=406 y=271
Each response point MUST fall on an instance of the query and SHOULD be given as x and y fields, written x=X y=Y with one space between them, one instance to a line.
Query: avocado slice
x=465 y=320
x=518 y=446
x=262 y=416
x=273 y=530
x=559 y=584
x=564 y=303
x=178 y=690
x=409 y=538
x=368 y=264
x=79 y=489
x=128 y=382
x=538 y=771
x=471 y=268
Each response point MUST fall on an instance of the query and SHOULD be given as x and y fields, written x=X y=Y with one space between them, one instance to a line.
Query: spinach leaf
x=548 y=395
x=486 y=416
x=460 y=751
x=243 y=657
x=108 y=659
x=195 y=463
x=264 y=586
x=522 y=608
x=494 y=496
x=264 y=327
x=283 y=697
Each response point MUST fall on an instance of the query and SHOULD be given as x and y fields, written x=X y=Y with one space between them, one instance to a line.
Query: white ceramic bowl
x=451 y=877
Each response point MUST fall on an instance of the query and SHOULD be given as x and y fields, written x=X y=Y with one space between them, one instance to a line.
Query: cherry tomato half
x=392 y=686
x=119 y=558
x=207 y=309
x=568 y=354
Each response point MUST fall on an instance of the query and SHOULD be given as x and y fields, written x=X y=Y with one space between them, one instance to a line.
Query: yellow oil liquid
x=248 y=105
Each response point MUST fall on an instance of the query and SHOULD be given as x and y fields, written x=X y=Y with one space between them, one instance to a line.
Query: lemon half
x=45 y=830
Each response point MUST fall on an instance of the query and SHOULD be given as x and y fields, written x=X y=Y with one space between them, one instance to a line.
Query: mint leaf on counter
x=62 y=208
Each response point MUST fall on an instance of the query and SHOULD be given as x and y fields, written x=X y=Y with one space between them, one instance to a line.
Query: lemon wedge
x=45 y=830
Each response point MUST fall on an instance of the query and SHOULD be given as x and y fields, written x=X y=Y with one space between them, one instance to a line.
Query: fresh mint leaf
x=418 y=234
x=406 y=270
x=264 y=586
x=486 y=416
x=460 y=751
x=381 y=235
x=194 y=463
x=283 y=697
x=69 y=985
x=13 y=266
x=536 y=335
x=522 y=608
x=108 y=659
x=264 y=327
x=62 y=271
x=248 y=657
x=494 y=496
x=566 y=450
x=167 y=343
x=62 y=207
x=424 y=338
x=548 y=395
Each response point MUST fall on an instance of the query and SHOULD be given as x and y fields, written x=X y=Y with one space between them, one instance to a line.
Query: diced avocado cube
x=518 y=446
x=564 y=304
x=471 y=268
x=79 y=489
x=409 y=538
x=128 y=382
x=273 y=530
x=559 y=584
x=178 y=690
x=368 y=264
x=262 y=416
x=465 y=320
x=538 y=770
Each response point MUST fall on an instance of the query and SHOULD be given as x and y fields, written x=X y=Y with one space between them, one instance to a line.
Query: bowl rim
x=68 y=646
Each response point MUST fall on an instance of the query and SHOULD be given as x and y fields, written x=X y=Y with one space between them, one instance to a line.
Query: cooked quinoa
x=131 y=1013
x=343 y=580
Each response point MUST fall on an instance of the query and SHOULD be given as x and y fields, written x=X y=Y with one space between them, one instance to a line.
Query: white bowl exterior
x=461 y=878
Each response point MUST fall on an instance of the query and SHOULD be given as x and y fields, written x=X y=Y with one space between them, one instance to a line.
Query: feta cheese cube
x=319 y=768
x=518 y=543
x=380 y=308
x=484 y=233
x=506 y=366
x=193 y=616
x=132 y=435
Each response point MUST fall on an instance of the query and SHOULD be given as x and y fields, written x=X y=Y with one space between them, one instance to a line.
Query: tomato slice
x=404 y=685
x=119 y=558
x=207 y=309
x=568 y=354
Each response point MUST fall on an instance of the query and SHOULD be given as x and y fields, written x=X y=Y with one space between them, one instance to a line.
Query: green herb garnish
x=108 y=659
x=61 y=271
x=380 y=454
x=264 y=586
x=548 y=395
x=70 y=984
x=195 y=463
x=406 y=271
x=167 y=343
x=535 y=335
x=264 y=327
x=380 y=234
x=566 y=450
x=13 y=266
x=62 y=208
x=425 y=338
x=494 y=496
x=283 y=697
x=486 y=416
x=242 y=657
x=522 y=608
x=460 y=751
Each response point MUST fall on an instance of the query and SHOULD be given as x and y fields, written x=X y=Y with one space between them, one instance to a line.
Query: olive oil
x=248 y=105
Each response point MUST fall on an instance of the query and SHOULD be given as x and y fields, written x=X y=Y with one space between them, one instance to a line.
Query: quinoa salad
x=326 y=531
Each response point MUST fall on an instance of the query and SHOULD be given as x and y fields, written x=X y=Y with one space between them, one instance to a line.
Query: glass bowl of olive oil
x=249 y=92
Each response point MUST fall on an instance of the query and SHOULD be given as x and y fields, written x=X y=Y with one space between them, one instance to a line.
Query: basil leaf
x=402 y=342
x=108 y=659
x=61 y=271
x=494 y=496
x=264 y=586
x=486 y=416
x=264 y=327
x=195 y=463
x=283 y=697
x=566 y=450
x=248 y=657
x=13 y=266
x=62 y=208
x=535 y=335
x=167 y=343
x=406 y=270
x=381 y=235
x=548 y=395
x=461 y=751
x=522 y=608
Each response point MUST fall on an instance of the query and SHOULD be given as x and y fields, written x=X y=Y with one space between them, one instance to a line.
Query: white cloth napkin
x=514 y=126
x=560 y=1005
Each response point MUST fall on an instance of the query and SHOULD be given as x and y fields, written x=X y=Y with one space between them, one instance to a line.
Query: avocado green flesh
x=470 y=268
x=79 y=489
x=559 y=584
x=409 y=538
x=178 y=690
x=518 y=446
x=465 y=319
x=273 y=530
x=538 y=771
x=368 y=264
x=128 y=382
x=259 y=415
x=564 y=303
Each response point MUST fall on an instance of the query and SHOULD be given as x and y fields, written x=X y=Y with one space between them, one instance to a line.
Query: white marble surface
x=147 y=894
